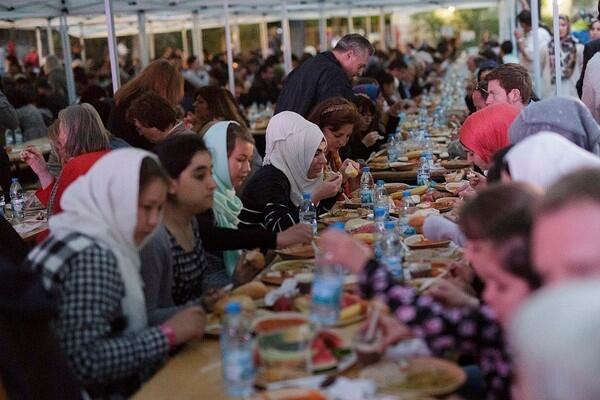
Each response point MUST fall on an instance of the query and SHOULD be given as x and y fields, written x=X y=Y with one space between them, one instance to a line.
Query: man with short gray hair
x=326 y=75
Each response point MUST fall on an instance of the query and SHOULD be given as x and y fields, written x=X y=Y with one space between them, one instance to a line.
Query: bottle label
x=238 y=365
x=325 y=298
x=394 y=265
x=366 y=196
x=17 y=206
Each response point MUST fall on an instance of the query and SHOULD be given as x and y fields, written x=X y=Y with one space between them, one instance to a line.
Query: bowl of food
x=455 y=187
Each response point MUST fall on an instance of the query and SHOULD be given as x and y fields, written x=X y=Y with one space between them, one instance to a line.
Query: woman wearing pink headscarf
x=486 y=131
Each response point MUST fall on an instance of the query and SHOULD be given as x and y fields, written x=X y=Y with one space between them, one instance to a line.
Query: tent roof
x=173 y=15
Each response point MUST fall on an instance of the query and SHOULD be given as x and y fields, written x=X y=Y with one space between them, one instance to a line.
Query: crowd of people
x=155 y=194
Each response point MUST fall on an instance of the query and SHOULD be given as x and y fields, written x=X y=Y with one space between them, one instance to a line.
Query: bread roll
x=255 y=290
x=350 y=171
x=256 y=259
x=245 y=301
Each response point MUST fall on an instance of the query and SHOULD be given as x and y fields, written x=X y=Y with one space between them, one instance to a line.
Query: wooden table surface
x=195 y=372
x=405 y=176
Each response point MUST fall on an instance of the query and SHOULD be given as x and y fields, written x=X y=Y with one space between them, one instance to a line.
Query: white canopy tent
x=87 y=18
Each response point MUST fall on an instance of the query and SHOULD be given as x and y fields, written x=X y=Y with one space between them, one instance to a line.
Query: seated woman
x=82 y=140
x=91 y=263
x=368 y=136
x=229 y=173
x=484 y=133
x=497 y=224
x=337 y=118
x=294 y=162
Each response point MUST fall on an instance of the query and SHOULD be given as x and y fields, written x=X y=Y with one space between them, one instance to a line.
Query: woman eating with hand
x=484 y=133
x=293 y=165
x=82 y=140
x=337 y=118
x=91 y=263
x=229 y=173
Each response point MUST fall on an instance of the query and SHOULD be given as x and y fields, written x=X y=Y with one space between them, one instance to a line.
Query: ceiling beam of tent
x=66 y=46
x=197 y=43
x=112 y=46
x=49 y=37
x=535 y=26
x=287 y=39
x=557 y=48
x=143 y=38
x=230 y=75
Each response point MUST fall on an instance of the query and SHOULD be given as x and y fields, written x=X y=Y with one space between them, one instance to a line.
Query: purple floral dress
x=455 y=333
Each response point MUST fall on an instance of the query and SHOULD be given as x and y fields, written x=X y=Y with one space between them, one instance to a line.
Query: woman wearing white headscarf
x=91 y=262
x=544 y=158
x=293 y=165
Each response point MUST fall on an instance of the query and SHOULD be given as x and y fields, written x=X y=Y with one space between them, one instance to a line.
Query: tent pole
x=382 y=28
x=112 y=46
x=229 y=48
x=367 y=26
x=66 y=45
x=82 y=44
x=512 y=25
x=49 y=37
x=264 y=38
x=535 y=26
x=287 y=40
x=185 y=44
x=322 y=27
x=556 y=32
x=197 y=44
x=143 y=39
x=350 y=20
x=38 y=43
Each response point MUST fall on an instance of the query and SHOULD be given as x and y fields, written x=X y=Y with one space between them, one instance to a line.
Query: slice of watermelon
x=324 y=360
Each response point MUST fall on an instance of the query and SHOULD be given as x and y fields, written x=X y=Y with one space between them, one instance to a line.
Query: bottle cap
x=406 y=193
x=380 y=182
x=14 y=180
x=366 y=169
x=390 y=225
x=305 y=196
x=337 y=226
x=378 y=212
x=233 y=307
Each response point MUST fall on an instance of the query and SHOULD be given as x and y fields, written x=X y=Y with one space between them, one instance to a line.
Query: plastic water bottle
x=429 y=157
x=380 y=199
x=2 y=202
x=391 y=149
x=18 y=136
x=237 y=352
x=366 y=188
x=380 y=220
x=404 y=229
x=308 y=212
x=16 y=200
x=423 y=173
x=391 y=251
x=326 y=294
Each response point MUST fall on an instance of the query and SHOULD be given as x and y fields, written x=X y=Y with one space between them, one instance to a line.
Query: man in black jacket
x=324 y=76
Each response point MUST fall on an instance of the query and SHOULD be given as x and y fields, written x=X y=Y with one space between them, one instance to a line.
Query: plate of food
x=420 y=242
x=282 y=270
x=297 y=251
x=353 y=309
x=291 y=394
x=426 y=376
x=455 y=187
x=395 y=187
x=445 y=204
x=342 y=215
x=378 y=166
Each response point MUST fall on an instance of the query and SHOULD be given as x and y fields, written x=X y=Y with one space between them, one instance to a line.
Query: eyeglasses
x=481 y=86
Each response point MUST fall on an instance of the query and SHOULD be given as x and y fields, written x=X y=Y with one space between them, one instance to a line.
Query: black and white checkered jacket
x=90 y=325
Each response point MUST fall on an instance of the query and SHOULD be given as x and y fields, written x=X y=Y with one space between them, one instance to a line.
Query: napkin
x=287 y=289
x=352 y=389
